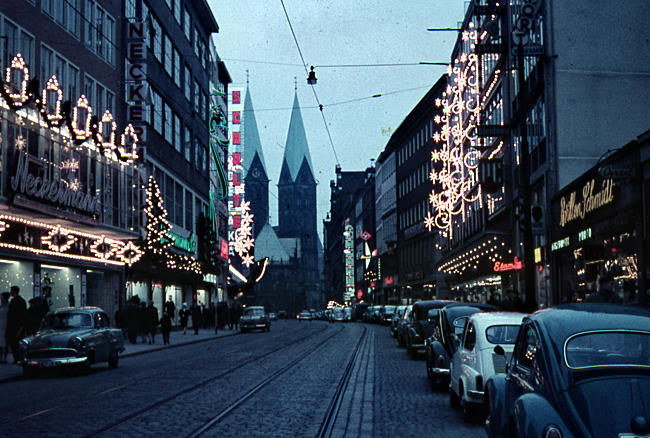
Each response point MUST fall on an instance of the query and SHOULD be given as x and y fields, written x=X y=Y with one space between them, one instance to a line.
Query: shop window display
x=65 y=284
x=15 y=273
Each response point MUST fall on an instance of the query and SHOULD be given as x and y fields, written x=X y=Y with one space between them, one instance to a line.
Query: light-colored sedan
x=305 y=315
x=475 y=359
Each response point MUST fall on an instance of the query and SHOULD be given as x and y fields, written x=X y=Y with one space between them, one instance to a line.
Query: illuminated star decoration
x=244 y=242
x=129 y=253
x=59 y=240
x=103 y=248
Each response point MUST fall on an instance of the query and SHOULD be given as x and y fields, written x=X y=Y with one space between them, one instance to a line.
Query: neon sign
x=572 y=209
x=516 y=265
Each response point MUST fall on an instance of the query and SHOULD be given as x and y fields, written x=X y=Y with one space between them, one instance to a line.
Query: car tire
x=114 y=360
x=400 y=341
x=454 y=402
x=433 y=378
x=413 y=353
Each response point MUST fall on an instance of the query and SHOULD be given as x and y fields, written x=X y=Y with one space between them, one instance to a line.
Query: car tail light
x=552 y=432
x=479 y=383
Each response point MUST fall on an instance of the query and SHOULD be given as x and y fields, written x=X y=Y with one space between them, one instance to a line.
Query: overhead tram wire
x=320 y=105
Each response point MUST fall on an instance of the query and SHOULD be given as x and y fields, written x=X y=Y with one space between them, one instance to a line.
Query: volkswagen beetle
x=577 y=370
x=72 y=337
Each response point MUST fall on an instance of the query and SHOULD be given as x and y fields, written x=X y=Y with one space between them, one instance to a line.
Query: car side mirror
x=499 y=350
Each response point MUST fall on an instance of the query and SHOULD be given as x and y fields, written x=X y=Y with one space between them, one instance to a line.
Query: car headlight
x=76 y=342
x=23 y=344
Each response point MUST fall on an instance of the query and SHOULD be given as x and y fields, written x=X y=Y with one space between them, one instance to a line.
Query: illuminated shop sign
x=185 y=243
x=516 y=265
x=136 y=78
x=348 y=251
x=559 y=244
x=572 y=208
x=584 y=234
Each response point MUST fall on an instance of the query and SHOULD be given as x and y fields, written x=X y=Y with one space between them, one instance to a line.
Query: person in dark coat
x=132 y=311
x=170 y=308
x=165 y=327
x=152 y=322
x=184 y=315
x=15 y=320
x=33 y=317
x=196 y=318
x=143 y=322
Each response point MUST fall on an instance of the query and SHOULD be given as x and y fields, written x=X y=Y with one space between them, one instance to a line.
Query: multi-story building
x=69 y=197
x=533 y=108
x=386 y=225
x=338 y=233
x=367 y=263
x=175 y=82
x=413 y=142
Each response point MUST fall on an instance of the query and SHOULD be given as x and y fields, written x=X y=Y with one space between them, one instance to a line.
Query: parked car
x=254 y=317
x=475 y=359
x=397 y=315
x=402 y=326
x=358 y=310
x=273 y=316
x=441 y=345
x=305 y=315
x=386 y=314
x=72 y=337
x=347 y=314
x=421 y=324
x=578 y=370
x=337 y=314
x=283 y=314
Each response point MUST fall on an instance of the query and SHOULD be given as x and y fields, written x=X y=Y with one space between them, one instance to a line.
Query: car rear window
x=68 y=320
x=611 y=348
x=254 y=312
x=502 y=334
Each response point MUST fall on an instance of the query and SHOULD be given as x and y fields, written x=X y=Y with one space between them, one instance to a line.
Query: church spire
x=251 y=136
x=296 y=150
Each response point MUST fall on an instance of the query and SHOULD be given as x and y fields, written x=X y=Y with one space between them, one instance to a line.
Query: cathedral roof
x=296 y=149
x=251 y=136
x=268 y=245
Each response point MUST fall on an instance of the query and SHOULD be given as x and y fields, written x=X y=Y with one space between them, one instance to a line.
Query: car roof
x=483 y=320
x=77 y=309
x=422 y=307
x=255 y=307
x=563 y=321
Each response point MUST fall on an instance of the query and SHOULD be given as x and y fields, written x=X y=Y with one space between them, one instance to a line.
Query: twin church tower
x=292 y=246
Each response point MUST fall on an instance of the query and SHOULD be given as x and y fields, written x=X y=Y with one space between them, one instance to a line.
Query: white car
x=475 y=359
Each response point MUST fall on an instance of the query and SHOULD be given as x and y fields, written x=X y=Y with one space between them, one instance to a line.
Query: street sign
x=529 y=50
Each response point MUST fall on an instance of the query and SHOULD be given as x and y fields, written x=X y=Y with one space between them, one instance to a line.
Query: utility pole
x=524 y=185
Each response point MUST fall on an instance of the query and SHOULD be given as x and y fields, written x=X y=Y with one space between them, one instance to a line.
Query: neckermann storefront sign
x=57 y=192
x=573 y=207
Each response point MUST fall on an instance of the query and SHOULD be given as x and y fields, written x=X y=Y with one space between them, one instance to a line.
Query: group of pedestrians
x=15 y=322
x=139 y=321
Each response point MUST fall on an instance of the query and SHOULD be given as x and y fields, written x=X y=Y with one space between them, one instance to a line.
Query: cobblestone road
x=173 y=392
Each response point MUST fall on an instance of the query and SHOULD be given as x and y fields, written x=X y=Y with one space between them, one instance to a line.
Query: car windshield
x=615 y=348
x=254 y=312
x=388 y=310
x=65 y=320
x=502 y=334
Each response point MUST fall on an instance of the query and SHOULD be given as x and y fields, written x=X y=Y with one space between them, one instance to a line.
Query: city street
x=300 y=379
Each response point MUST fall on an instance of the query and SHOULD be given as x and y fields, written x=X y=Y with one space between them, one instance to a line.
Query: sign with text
x=574 y=207
x=136 y=78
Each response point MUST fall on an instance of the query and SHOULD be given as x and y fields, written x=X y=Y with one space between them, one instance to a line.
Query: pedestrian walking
x=15 y=320
x=170 y=308
x=4 y=309
x=196 y=318
x=184 y=315
x=143 y=322
x=132 y=320
x=165 y=327
x=152 y=322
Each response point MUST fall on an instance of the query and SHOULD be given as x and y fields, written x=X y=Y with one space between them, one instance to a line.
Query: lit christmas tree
x=156 y=242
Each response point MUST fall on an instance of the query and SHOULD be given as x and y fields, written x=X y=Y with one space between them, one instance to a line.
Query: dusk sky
x=255 y=35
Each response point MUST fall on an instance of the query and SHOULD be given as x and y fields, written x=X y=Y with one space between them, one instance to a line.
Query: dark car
x=577 y=370
x=386 y=314
x=421 y=325
x=254 y=317
x=283 y=314
x=72 y=337
x=358 y=310
x=402 y=326
x=440 y=346
x=397 y=315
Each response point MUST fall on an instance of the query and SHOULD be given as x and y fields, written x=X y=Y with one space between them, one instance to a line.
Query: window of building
x=18 y=40
x=169 y=127
x=177 y=11
x=177 y=68
x=188 y=83
x=177 y=133
x=156 y=31
x=187 y=144
x=189 y=216
x=187 y=24
x=197 y=96
x=170 y=4
x=169 y=199
x=198 y=148
x=156 y=111
x=99 y=29
x=169 y=56
x=130 y=9
x=65 y=13
x=179 y=205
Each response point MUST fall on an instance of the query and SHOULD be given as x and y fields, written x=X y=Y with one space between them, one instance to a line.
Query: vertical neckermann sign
x=136 y=78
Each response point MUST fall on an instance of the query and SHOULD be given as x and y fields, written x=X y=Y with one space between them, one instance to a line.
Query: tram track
x=162 y=401
x=332 y=410
x=154 y=376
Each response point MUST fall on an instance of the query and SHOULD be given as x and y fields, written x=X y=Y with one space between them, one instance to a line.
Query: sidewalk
x=10 y=371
